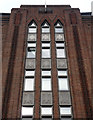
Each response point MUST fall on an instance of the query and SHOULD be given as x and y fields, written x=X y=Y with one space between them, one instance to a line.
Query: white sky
x=7 y=5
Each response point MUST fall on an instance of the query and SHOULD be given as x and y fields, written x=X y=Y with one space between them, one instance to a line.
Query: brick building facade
x=46 y=63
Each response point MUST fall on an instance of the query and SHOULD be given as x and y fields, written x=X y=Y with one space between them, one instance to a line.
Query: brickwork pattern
x=14 y=59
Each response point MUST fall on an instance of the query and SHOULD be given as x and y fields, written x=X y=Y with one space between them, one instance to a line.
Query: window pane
x=31 y=44
x=46 y=84
x=29 y=73
x=59 y=37
x=62 y=72
x=45 y=30
x=45 y=37
x=45 y=53
x=59 y=24
x=46 y=119
x=59 y=30
x=32 y=30
x=66 y=119
x=60 y=53
x=31 y=53
x=63 y=83
x=32 y=25
x=27 y=118
x=45 y=24
x=46 y=111
x=45 y=44
x=46 y=73
x=29 y=84
x=31 y=37
x=27 y=111
x=60 y=45
x=65 y=110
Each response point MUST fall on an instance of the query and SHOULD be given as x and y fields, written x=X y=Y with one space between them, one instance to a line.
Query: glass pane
x=46 y=84
x=66 y=119
x=45 y=44
x=62 y=72
x=31 y=53
x=46 y=73
x=58 y=30
x=60 y=45
x=45 y=30
x=31 y=44
x=32 y=30
x=32 y=25
x=27 y=118
x=58 y=24
x=31 y=37
x=45 y=37
x=46 y=119
x=65 y=110
x=29 y=84
x=46 y=111
x=27 y=111
x=45 y=53
x=63 y=83
x=59 y=37
x=29 y=73
x=46 y=24
x=61 y=53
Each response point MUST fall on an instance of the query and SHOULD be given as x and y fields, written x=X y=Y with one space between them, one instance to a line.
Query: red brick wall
x=78 y=46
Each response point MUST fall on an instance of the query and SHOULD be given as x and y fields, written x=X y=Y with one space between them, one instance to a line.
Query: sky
x=7 y=5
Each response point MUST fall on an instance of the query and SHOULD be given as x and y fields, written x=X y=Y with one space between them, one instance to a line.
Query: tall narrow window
x=63 y=80
x=46 y=84
x=29 y=78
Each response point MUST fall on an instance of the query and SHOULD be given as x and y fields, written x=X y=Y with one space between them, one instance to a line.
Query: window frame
x=62 y=75
x=67 y=84
x=46 y=70
x=50 y=83
x=62 y=51
x=28 y=74
x=65 y=114
x=46 y=115
x=24 y=116
x=29 y=52
x=43 y=55
x=45 y=27
x=32 y=83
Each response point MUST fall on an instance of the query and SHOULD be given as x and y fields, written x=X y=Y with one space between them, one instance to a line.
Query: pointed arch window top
x=45 y=24
x=58 y=24
x=45 y=27
x=58 y=27
x=32 y=27
x=32 y=24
